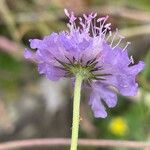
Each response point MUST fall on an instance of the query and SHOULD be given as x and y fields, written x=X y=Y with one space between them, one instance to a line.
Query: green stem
x=76 y=112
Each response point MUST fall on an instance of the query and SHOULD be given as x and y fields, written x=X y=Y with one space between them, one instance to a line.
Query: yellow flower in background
x=118 y=126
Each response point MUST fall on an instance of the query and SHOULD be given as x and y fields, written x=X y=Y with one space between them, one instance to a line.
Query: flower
x=86 y=49
x=118 y=126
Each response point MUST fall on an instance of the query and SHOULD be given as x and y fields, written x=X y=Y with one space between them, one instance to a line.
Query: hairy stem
x=76 y=112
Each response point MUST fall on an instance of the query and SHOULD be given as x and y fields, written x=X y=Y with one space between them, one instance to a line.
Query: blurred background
x=33 y=107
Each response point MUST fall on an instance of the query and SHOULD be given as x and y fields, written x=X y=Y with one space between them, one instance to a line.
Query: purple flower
x=87 y=48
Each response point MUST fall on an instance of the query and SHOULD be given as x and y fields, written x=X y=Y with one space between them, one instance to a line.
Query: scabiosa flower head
x=85 y=49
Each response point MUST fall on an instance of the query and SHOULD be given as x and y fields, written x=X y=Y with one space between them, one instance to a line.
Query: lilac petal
x=51 y=44
x=107 y=95
x=45 y=56
x=67 y=43
x=97 y=106
x=53 y=47
x=121 y=57
x=127 y=85
x=53 y=73
x=42 y=68
x=35 y=43
x=113 y=57
x=122 y=76
x=101 y=92
x=84 y=44
x=28 y=54
x=91 y=51
x=135 y=69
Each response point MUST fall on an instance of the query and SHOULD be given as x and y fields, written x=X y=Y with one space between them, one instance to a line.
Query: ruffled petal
x=135 y=69
x=67 y=43
x=116 y=62
x=42 y=68
x=108 y=96
x=28 y=54
x=124 y=79
x=115 y=57
x=53 y=73
x=35 y=43
x=97 y=106
x=101 y=92
x=127 y=85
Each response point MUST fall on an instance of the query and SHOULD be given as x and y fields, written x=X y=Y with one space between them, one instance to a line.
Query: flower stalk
x=76 y=112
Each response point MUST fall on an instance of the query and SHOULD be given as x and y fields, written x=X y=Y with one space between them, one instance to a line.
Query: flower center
x=89 y=70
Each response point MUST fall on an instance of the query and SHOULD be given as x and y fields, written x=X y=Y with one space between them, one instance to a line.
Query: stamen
x=126 y=46
x=105 y=20
x=81 y=23
x=107 y=27
x=72 y=17
x=94 y=15
x=92 y=28
x=120 y=39
x=101 y=21
x=102 y=25
x=117 y=43
x=85 y=16
x=116 y=33
x=132 y=60
x=67 y=13
x=109 y=35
